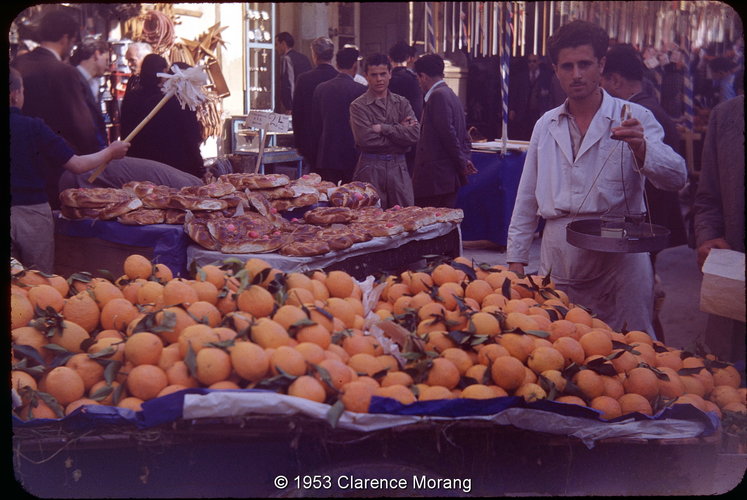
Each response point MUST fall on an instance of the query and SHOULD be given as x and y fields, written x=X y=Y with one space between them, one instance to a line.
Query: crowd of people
x=391 y=120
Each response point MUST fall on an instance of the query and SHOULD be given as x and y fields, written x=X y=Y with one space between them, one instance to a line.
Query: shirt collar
x=369 y=97
x=54 y=52
x=430 y=91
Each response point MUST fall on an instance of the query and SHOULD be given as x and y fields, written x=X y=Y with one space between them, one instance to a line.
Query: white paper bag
x=722 y=291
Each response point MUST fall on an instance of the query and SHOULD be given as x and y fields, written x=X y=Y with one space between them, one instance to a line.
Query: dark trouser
x=442 y=200
x=388 y=174
x=32 y=236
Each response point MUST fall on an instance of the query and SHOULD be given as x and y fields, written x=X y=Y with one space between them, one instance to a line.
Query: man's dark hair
x=57 y=23
x=285 y=37
x=15 y=80
x=346 y=57
x=88 y=48
x=377 y=60
x=578 y=33
x=430 y=64
x=152 y=64
x=401 y=51
x=624 y=60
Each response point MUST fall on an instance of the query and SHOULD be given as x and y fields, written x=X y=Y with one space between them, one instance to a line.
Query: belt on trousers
x=386 y=157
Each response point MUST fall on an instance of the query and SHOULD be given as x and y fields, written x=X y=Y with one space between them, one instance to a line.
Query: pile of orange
x=466 y=331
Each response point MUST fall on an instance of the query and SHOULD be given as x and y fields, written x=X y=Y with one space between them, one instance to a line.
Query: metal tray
x=586 y=234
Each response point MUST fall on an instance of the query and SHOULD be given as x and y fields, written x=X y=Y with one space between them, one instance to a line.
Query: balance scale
x=626 y=233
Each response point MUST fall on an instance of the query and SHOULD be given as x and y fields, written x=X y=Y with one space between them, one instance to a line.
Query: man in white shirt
x=584 y=161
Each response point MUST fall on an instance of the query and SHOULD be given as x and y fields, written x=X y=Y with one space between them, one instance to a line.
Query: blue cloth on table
x=489 y=195
x=169 y=241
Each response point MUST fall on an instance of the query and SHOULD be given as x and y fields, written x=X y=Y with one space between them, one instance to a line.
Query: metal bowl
x=587 y=234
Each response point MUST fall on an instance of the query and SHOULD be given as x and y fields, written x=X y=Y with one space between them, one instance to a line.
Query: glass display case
x=259 y=29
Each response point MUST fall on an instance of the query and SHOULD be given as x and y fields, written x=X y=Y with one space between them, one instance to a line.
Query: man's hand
x=705 y=248
x=118 y=149
x=631 y=131
x=516 y=267
x=409 y=121
x=469 y=169
x=376 y=128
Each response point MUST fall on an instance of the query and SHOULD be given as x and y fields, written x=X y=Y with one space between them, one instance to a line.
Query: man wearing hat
x=322 y=51
x=336 y=154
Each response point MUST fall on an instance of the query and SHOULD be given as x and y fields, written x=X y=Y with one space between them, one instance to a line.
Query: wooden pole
x=135 y=131
x=262 y=141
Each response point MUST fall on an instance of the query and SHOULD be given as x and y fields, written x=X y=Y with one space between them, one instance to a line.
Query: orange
x=357 y=343
x=146 y=381
x=389 y=362
x=108 y=348
x=162 y=273
x=507 y=372
x=143 y=348
x=624 y=362
x=336 y=374
x=435 y=392
x=64 y=384
x=269 y=334
x=726 y=376
x=723 y=395
x=578 y=315
x=693 y=385
x=590 y=383
x=136 y=266
x=417 y=281
x=71 y=407
x=485 y=323
x=478 y=289
x=449 y=293
x=179 y=292
x=444 y=273
x=205 y=312
x=43 y=296
x=256 y=267
x=632 y=402
x=117 y=314
x=489 y=352
x=613 y=387
x=397 y=392
x=312 y=353
x=257 y=301
x=195 y=336
x=131 y=403
x=170 y=389
x=519 y=346
x=596 y=342
x=571 y=400
x=179 y=374
x=571 y=350
x=83 y=310
x=213 y=365
x=546 y=358
x=171 y=322
x=365 y=364
x=206 y=291
x=151 y=293
x=21 y=311
x=319 y=290
x=459 y=357
x=287 y=315
x=90 y=370
x=480 y=391
x=397 y=377
x=443 y=372
x=307 y=387
x=30 y=336
x=356 y=396
x=340 y=284
x=341 y=309
x=673 y=387
x=20 y=379
x=249 y=360
x=287 y=359
x=638 y=337
x=71 y=336
x=609 y=406
x=211 y=274
x=530 y=392
x=105 y=393
x=529 y=376
x=520 y=320
x=556 y=378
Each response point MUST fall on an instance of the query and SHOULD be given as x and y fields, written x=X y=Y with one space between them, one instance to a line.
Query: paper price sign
x=272 y=122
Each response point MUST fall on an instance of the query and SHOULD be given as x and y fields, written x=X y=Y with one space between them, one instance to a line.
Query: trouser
x=334 y=175
x=617 y=287
x=447 y=200
x=32 y=236
x=124 y=170
x=389 y=175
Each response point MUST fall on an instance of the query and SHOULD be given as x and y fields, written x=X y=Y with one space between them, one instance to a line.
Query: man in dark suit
x=322 y=51
x=530 y=96
x=405 y=83
x=56 y=93
x=91 y=59
x=336 y=153
x=292 y=64
x=442 y=154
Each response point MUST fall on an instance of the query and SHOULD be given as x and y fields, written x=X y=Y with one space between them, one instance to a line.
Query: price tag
x=272 y=122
